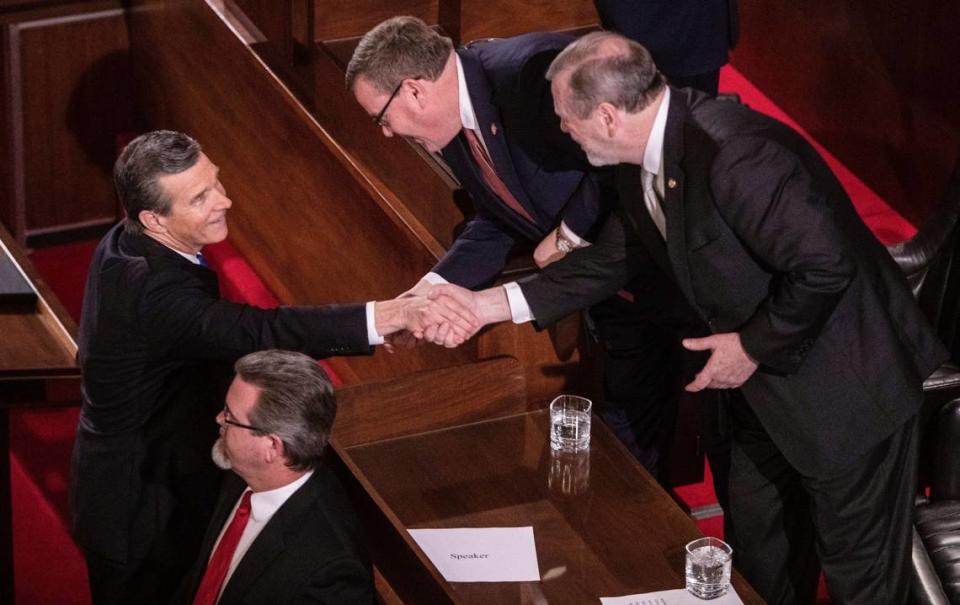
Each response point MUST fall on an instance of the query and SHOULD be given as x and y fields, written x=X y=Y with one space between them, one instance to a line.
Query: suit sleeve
x=180 y=315
x=344 y=581
x=479 y=254
x=786 y=221
x=586 y=276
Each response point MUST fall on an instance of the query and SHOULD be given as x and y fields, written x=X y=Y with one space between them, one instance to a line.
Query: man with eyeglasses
x=488 y=110
x=283 y=530
x=156 y=341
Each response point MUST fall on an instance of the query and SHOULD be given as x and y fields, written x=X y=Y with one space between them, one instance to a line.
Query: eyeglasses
x=378 y=120
x=226 y=420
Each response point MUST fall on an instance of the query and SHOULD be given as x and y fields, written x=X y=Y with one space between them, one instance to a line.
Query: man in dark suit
x=154 y=338
x=487 y=109
x=283 y=530
x=808 y=314
x=688 y=39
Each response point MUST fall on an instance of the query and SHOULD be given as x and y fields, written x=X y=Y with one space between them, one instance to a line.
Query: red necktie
x=490 y=175
x=219 y=563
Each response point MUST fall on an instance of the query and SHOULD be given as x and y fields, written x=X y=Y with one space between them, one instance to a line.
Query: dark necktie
x=202 y=261
x=219 y=563
x=490 y=175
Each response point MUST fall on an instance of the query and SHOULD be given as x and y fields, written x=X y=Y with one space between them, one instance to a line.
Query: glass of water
x=570 y=423
x=708 y=567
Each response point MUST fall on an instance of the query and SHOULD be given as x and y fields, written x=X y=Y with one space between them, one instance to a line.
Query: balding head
x=604 y=67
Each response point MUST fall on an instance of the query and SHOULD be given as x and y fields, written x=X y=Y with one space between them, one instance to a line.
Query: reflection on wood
x=429 y=400
x=619 y=534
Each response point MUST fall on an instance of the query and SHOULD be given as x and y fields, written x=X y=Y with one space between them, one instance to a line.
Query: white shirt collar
x=190 y=257
x=653 y=153
x=264 y=504
x=468 y=117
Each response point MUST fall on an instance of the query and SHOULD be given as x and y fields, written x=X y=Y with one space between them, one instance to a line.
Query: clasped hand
x=445 y=314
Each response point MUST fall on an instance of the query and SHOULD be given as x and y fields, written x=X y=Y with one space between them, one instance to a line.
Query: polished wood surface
x=875 y=82
x=66 y=98
x=38 y=340
x=602 y=525
x=428 y=400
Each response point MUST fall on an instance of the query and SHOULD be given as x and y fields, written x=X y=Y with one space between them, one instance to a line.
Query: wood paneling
x=876 y=82
x=502 y=18
x=350 y=18
x=67 y=98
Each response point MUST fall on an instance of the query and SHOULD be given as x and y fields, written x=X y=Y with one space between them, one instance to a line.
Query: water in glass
x=708 y=570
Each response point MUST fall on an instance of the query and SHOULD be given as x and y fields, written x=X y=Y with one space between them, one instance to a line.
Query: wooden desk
x=37 y=349
x=603 y=527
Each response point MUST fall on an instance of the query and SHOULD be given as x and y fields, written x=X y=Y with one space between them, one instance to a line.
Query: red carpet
x=49 y=569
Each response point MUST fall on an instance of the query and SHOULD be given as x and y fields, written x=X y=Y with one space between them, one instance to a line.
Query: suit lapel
x=494 y=137
x=673 y=187
x=270 y=542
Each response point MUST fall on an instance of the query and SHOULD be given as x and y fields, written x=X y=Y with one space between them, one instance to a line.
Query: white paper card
x=679 y=596
x=481 y=554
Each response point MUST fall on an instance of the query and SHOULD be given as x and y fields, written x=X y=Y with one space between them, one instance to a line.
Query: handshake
x=443 y=314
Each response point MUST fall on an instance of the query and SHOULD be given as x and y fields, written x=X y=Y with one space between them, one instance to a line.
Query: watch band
x=563 y=243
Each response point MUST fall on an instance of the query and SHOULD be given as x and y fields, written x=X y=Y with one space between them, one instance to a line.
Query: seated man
x=156 y=344
x=283 y=530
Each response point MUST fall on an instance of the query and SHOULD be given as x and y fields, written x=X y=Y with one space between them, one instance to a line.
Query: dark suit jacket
x=762 y=240
x=542 y=167
x=311 y=551
x=685 y=37
x=156 y=346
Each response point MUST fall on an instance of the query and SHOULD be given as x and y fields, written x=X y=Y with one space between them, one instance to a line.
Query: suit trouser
x=641 y=382
x=857 y=522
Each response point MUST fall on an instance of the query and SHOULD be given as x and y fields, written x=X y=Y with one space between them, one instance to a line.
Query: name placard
x=481 y=554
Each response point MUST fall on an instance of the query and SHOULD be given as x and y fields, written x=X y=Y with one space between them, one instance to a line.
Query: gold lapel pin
x=672 y=183
x=493 y=129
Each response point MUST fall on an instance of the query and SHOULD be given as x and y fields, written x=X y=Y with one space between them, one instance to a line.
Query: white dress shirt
x=652 y=162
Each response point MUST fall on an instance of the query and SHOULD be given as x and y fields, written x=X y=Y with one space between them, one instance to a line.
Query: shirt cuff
x=573 y=238
x=372 y=337
x=519 y=310
x=434 y=279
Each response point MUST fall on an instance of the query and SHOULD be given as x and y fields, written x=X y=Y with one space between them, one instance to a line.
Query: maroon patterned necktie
x=490 y=175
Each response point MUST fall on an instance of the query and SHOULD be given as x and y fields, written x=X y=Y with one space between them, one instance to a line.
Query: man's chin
x=219 y=456
x=600 y=161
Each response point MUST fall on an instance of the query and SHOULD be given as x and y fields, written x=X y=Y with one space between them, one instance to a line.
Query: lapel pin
x=672 y=183
x=493 y=129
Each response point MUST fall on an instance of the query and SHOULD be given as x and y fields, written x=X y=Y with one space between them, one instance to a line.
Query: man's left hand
x=729 y=365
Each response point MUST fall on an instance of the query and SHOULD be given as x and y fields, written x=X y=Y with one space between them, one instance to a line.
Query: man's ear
x=152 y=221
x=418 y=89
x=275 y=450
x=609 y=118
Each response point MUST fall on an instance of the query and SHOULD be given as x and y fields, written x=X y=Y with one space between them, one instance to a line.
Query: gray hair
x=398 y=48
x=142 y=161
x=296 y=403
x=606 y=67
